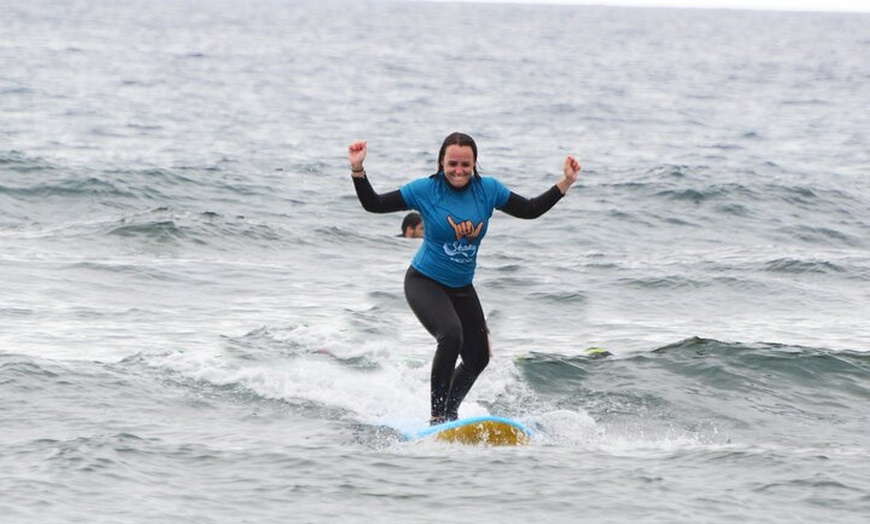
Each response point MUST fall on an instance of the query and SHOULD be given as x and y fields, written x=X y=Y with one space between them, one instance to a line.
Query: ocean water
x=199 y=323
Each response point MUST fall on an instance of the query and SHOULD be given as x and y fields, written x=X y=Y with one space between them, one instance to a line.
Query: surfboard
x=483 y=430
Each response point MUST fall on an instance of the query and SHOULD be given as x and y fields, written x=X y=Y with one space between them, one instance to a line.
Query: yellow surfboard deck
x=485 y=431
x=488 y=432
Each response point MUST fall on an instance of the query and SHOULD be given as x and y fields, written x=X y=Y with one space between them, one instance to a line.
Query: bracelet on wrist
x=358 y=174
x=360 y=170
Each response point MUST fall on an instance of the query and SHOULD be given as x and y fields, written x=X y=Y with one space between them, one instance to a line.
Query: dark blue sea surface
x=199 y=323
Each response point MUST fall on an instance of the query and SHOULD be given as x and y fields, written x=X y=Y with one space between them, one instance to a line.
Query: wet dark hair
x=411 y=220
x=457 y=139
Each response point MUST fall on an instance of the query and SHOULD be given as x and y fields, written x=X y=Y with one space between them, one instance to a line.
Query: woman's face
x=458 y=165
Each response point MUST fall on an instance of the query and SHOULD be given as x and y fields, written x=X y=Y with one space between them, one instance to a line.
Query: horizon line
x=830 y=6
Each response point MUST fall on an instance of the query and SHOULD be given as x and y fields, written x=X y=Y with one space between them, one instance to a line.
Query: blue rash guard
x=447 y=255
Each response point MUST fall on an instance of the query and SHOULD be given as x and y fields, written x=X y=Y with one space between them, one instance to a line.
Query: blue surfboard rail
x=431 y=430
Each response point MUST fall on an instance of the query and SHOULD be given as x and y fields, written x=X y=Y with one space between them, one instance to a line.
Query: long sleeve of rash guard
x=522 y=207
x=375 y=203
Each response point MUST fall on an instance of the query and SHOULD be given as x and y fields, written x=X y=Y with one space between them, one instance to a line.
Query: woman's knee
x=450 y=337
x=477 y=361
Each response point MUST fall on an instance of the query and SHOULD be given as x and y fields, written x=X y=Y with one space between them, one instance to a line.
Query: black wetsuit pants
x=455 y=318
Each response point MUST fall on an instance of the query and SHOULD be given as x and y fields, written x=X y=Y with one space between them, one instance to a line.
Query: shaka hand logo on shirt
x=465 y=229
